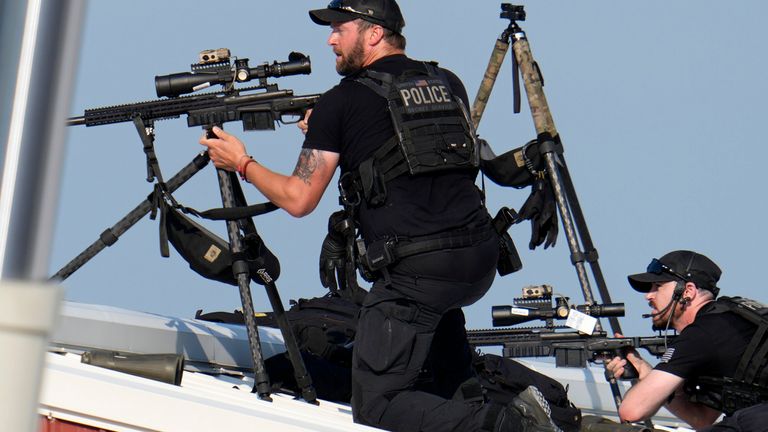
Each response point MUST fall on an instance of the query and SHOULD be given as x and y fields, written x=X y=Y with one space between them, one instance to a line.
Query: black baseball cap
x=681 y=265
x=385 y=13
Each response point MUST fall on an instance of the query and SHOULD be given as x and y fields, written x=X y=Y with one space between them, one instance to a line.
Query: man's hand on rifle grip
x=629 y=357
x=225 y=150
x=303 y=124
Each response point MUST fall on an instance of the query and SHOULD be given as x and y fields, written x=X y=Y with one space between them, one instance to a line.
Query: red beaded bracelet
x=244 y=169
x=241 y=159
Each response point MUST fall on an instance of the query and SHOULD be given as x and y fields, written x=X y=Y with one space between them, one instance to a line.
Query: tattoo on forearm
x=309 y=161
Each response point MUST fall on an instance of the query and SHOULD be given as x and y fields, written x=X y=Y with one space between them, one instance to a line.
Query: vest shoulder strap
x=752 y=366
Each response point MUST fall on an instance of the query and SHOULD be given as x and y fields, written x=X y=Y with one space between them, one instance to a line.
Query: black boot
x=528 y=412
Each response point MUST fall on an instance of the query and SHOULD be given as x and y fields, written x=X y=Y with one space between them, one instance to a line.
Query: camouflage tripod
x=579 y=241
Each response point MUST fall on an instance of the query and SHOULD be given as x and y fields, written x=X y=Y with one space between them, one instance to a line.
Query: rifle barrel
x=76 y=121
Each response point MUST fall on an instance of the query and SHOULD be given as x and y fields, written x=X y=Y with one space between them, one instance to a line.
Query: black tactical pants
x=396 y=329
x=752 y=419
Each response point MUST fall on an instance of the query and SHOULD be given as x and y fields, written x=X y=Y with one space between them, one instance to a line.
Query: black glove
x=540 y=208
x=333 y=259
x=333 y=254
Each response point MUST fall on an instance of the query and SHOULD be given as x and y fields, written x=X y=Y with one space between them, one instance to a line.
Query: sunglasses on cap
x=339 y=5
x=657 y=267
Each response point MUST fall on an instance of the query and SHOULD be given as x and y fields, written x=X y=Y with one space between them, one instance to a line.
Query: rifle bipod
x=550 y=145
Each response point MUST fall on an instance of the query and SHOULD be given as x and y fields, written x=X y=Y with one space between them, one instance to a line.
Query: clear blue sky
x=659 y=104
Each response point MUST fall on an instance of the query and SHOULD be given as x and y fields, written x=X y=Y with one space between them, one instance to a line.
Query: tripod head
x=512 y=12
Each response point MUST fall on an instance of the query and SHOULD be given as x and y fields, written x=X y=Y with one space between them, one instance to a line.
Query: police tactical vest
x=749 y=384
x=433 y=131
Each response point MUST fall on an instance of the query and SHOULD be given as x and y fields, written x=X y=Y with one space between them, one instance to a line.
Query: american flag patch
x=667 y=355
x=422 y=83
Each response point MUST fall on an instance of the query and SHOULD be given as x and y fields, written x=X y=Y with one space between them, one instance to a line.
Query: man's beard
x=667 y=319
x=353 y=62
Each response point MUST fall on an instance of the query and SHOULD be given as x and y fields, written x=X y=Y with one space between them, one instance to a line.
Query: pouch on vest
x=514 y=168
x=209 y=255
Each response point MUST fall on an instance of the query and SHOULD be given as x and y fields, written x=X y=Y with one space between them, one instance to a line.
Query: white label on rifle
x=519 y=311
x=581 y=321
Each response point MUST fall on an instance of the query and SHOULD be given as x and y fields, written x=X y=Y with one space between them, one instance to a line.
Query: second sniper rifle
x=570 y=348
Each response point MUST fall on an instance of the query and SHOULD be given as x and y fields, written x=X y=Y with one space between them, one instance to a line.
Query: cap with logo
x=385 y=13
x=681 y=265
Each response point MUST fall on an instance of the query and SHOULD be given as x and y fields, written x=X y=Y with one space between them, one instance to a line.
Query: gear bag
x=322 y=325
x=515 y=168
x=208 y=254
x=503 y=378
x=324 y=328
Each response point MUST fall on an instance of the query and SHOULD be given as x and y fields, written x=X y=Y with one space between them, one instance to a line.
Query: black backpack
x=503 y=378
x=323 y=326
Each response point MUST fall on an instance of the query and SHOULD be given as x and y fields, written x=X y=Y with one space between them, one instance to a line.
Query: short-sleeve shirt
x=710 y=346
x=352 y=120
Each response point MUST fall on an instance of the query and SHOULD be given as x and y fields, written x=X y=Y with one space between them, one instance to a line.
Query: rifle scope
x=517 y=314
x=208 y=74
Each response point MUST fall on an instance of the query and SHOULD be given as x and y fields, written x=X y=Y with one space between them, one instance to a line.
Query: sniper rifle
x=256 y=110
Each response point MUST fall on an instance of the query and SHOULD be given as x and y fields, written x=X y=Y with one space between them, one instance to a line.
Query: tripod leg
x=242 y=274
x=111 y=235
x=545 y=128
x=489 y=78
x=303 y=380
x=555 y=179
x=589 y=247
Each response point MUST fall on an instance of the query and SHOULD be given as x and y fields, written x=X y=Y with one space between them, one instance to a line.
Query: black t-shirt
x=353 y=121
x=710 y=346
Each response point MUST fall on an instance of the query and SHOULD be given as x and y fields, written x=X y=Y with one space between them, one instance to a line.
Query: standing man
x=717 y=363
x=399 y=130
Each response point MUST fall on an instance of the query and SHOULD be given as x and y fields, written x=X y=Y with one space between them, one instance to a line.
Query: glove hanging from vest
x=333 y=255
x=338 y=267
x=540 y=208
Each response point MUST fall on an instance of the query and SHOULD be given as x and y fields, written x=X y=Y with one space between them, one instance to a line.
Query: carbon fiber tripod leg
x=303 y=380
x=234 y=196
x=242 y=275
x=301 y=375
